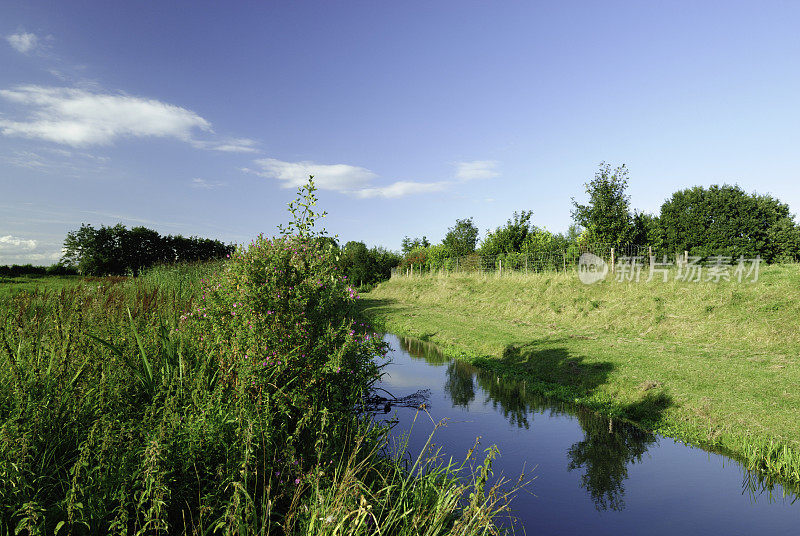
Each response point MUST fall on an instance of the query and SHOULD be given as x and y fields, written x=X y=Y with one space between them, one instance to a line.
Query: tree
x=119 y=251
x=356 y=262
x=510 y=239
x=364 y=266
x=410 y=244
x=462 y=238
x=607 y=217
x=647 y=230
x=725 y=220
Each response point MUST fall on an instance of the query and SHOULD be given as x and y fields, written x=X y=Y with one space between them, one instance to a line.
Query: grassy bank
x=184 y=401
x=712 y=364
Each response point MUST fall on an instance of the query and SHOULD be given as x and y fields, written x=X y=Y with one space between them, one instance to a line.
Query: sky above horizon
x=202 y=118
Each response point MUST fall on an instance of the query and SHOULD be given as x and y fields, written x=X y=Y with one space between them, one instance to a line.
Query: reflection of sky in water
x=622 y=481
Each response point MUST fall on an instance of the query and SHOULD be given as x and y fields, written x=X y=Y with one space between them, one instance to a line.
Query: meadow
x=712 y=364
x=13 y=285
x=215 y=398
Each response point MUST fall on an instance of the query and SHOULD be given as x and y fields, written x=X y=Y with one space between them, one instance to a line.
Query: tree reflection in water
x=605 y=453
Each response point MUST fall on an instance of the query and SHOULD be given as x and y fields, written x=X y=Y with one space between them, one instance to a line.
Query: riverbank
x=712 y=364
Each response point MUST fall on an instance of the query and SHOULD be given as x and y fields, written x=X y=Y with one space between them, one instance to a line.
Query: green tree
x=462 y=238
x=511 y=237
x=357 y=263
x=118 y=251
x=647 y=231
x=725 y=220
x=409 y=244
x=607 y=217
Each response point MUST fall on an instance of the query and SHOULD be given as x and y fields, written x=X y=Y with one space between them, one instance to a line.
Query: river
x=590 y=476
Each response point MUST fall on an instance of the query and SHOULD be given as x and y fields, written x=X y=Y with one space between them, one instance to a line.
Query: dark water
x=591 y=476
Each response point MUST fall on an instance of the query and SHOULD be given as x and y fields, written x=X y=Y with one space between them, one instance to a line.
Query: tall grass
x=122 y=412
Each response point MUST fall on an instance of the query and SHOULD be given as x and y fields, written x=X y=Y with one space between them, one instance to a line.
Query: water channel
x=590 y=476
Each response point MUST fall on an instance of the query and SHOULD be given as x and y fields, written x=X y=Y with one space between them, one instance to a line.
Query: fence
x=554 y=261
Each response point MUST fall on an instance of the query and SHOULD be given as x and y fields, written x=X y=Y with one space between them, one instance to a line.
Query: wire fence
x=638 y=256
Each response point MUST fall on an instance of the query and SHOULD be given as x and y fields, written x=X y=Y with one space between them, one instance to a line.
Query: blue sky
x=200 y=118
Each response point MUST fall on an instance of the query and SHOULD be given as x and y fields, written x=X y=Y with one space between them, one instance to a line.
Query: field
x=12 y=285
x=713 y=364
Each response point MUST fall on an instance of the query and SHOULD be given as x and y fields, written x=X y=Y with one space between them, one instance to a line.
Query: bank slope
x=713 y=364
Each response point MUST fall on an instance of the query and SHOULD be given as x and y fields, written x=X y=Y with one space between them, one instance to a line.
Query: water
x=591 y=476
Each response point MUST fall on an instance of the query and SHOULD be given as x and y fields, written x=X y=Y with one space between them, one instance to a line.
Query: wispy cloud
x=402 y=189
x=477 y=169
x=23 y=42
x=338 y=177
x=359 y=181
x=206 y=185
x=230 y=145
x=55 y=160
x=80 y=118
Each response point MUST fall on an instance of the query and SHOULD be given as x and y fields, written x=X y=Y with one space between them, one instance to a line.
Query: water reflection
x=606 y=452
x=608 y=448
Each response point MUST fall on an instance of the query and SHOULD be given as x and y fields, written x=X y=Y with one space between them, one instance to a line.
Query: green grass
x=712 y=364
x=114 y=421
x=11 y=285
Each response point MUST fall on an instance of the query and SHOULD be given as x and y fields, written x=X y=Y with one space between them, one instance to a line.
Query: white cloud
x=206 y=185
x=402 y=189
x=79 y=118
x=23 y=42
x=15 y=244
x=338 y=177
x=237 y=145
x=232 y=145
x=358 y=181
x=44 y=258
x=477 y=169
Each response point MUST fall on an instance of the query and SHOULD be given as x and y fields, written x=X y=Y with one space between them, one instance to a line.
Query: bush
x=280 y=313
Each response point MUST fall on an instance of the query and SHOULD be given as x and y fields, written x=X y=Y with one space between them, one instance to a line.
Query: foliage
x=724 y=220
x=462 y=238
x=409 y=244
x=647 y=230
x=607 y=217
x=118 y=251
x=367 y=266
x=304 y=216
x=509 y=239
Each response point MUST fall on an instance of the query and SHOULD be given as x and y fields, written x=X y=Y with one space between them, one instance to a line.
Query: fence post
x=526 y=265
x=612 y=260
x=650 y=254
x=500 y=273
x=565 y=262
x=686 y=258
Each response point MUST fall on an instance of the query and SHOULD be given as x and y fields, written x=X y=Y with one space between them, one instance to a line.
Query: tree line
x=17 y=270
x=117 y=250
x=717 y=220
